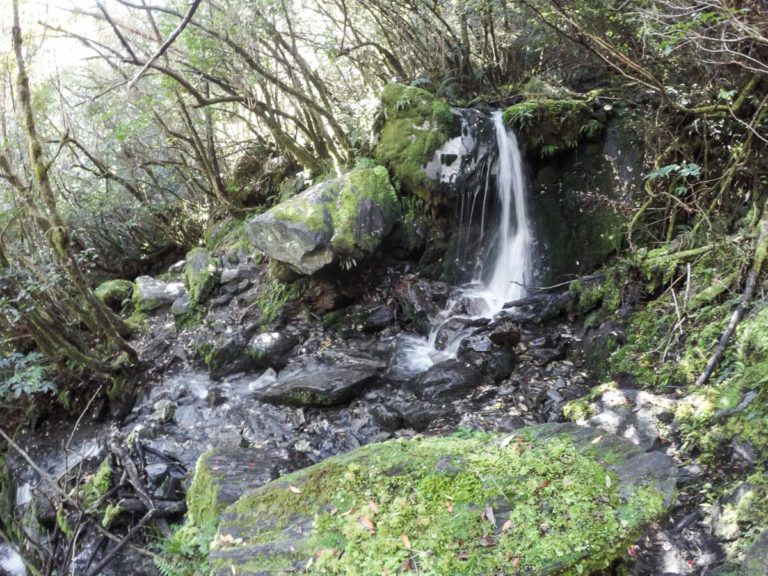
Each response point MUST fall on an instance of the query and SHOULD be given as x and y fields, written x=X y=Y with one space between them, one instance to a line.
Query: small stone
x=156 y=472
x=180 y=306
x=216 y=397
x=164 y=411
x=230 y=275
x=555 y=396
x=222 y=300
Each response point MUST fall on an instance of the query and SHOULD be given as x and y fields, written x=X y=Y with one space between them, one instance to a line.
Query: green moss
x=549 y=126
x=115 y=293
x=368 y=183
x=202 y=496
x=560 y=509
x=311 y=213
x=98 y=484
x=201 y=274
x=417 y=124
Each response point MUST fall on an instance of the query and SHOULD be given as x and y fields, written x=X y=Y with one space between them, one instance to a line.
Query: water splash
x=510 y=249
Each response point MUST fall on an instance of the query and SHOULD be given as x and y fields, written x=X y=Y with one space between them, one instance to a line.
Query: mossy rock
x=549 y=126
x=417 y=124
x=201 y=274
x=114 y=293
x=342 y=218
x=553 y=499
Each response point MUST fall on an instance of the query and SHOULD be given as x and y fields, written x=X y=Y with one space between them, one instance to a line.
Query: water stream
x=504 y=264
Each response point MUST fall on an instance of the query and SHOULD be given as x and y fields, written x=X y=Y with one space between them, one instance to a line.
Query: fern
x=170 y=567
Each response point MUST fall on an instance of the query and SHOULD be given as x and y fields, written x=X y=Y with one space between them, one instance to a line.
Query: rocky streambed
x=263 y=399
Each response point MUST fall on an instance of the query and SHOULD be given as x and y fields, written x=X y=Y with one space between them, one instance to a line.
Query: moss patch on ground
x=416 y=125
x=441 y=506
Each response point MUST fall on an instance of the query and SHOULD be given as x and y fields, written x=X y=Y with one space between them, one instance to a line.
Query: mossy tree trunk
x=110 y=325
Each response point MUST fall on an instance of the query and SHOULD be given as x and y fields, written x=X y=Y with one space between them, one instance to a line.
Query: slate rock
x=447 y=380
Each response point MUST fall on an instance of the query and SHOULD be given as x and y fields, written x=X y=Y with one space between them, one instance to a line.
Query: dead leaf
x=607 y=481
x=294 y=489
x=408 y=565
x=516 y=562
x=348 y=512
x=489 y=515
x=543 y=484
x=487 y=542
x=449 y=506
x=369 y=524
x=462 y=555
x=372 y=505
x=406 y=541
x=596 y=440
x=506 y=526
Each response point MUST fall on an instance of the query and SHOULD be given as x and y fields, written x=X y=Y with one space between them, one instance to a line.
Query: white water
x=511 y=249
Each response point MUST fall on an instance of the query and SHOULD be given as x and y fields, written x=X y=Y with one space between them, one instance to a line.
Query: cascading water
x=510 y=249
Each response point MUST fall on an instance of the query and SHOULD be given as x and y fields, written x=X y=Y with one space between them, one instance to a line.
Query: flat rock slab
x=319 y=386
x=549 y=499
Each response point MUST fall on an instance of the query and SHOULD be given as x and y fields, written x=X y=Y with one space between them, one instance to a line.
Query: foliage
x=24 y=374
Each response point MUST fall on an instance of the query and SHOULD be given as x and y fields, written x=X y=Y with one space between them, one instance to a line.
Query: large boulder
x=151 y=295
x=432 y=149
x=447 y=380
x=553 y=499
x=114 y=293
x=346 y=217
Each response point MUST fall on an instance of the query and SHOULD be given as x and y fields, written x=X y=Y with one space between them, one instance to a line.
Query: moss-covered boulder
x=346 y=217
x=416 y=125
x=549 y=126
x=553 y=499
x=114 y=293
x=201 y=274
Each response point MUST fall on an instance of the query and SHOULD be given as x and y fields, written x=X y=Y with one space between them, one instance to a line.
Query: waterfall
x=512 y=265
x=504 y=263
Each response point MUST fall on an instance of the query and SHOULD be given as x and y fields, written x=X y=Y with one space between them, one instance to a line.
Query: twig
x=165 y=45
x=120 y=545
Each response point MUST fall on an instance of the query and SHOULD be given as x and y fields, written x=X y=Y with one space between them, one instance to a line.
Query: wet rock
x=254 y=540
x=11 y=563
x=598 y=345
x=419 y=300
x=227 y=354
x=506 y=334
x=222 y=300
x=230 y=275
x=271 y=349
x=419 y=415
x=343 y=217
x=201 y=274
x=489 y=358
x=453 y=328
x=151 y=295
x=544 y=356
x=216 y=397
x=318 y=385
x=377 y=316
x=164 y=411
x=387 y=417
x=156 y=473
x=115 y=293
x=537 y=308
x=447 y=380
x=181 y=306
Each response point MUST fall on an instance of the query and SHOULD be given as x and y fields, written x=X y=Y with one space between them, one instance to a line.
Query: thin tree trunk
x=111 y=326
